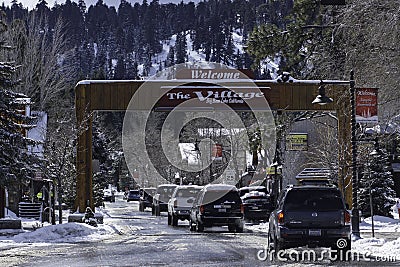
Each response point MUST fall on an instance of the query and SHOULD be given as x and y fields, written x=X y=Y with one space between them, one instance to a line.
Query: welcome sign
x=214 y=74
x=215 y=97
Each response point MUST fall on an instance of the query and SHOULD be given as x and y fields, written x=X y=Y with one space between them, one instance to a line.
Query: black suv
x=310 y=215
x=257 y=206
x=217 y=204
x=146 y=198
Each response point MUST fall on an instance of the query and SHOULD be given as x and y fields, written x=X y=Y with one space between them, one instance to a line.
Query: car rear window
x=165 y=192
x=222 y=196
x=313 y=200
x=187 y=192
x=257 y=200
x=149 y=191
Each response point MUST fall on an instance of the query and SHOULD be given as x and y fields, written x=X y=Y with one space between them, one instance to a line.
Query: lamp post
x=322 y=99
x=355 y=218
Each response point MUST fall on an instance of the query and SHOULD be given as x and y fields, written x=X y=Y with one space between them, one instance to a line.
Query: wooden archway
x=294 y=95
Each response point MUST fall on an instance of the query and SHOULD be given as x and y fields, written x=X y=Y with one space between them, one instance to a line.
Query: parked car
x=257 y=206
x=310 y=215
x=217 y=204
x=146 y=198
x=108 y=195
x=161 y=198
x=180 y=203
x=133 y=195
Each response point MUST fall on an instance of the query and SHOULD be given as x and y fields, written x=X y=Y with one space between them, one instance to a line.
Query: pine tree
x=120 y=69
x=180 y=48
x=171 y=57
x=15 y=162
x=378 y=180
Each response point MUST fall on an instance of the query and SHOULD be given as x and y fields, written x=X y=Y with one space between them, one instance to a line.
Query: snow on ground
x=385 y=244
x=377 y=247
x=381 y=224
x=59 y=233
x=65 y=233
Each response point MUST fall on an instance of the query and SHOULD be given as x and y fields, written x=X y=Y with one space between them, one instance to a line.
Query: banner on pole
x=366 y=105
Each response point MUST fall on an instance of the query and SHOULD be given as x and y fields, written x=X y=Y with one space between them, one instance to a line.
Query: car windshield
x=313 y=200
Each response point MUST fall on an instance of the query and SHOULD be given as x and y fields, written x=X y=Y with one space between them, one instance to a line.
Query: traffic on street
x=139 y=238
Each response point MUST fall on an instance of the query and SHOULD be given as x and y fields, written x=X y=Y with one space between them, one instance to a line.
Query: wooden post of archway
x=289 y=96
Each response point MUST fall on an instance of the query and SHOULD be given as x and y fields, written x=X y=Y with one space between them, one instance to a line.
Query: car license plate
x=221 y=210
x=314 y=232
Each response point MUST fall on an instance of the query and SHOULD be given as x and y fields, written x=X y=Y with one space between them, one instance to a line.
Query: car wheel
x=153 y=211
x=231 y=228
x=169 y=219
x=200 y=227
x=157 y=210
x=174 y=220
x=192 y=227
x=278 y=246
x=239 y=228
x=270 y=243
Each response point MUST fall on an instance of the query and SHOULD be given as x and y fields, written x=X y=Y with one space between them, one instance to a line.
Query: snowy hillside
x=194 y=56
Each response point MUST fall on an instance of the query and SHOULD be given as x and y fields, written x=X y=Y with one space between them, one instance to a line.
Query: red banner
x=366 y=105
x=217 y=152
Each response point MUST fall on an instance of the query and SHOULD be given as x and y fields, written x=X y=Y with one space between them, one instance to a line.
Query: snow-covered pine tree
x=180 y=48
x=171 y=57
x=378 y=176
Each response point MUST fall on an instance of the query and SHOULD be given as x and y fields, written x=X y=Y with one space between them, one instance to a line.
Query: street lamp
x=322 y=99
x=355 y=218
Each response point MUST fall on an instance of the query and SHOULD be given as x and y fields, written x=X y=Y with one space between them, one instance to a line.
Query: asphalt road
x=144 y=240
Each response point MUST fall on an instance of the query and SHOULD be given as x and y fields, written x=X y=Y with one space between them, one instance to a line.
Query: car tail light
x=280 y=217
x=241 y=208
x=201 y=209
x=347 y=218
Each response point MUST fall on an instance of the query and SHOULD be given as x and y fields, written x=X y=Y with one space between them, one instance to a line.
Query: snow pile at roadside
x=381 y=224
x=262 y=227
x=377 y=247
x=65 y=233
